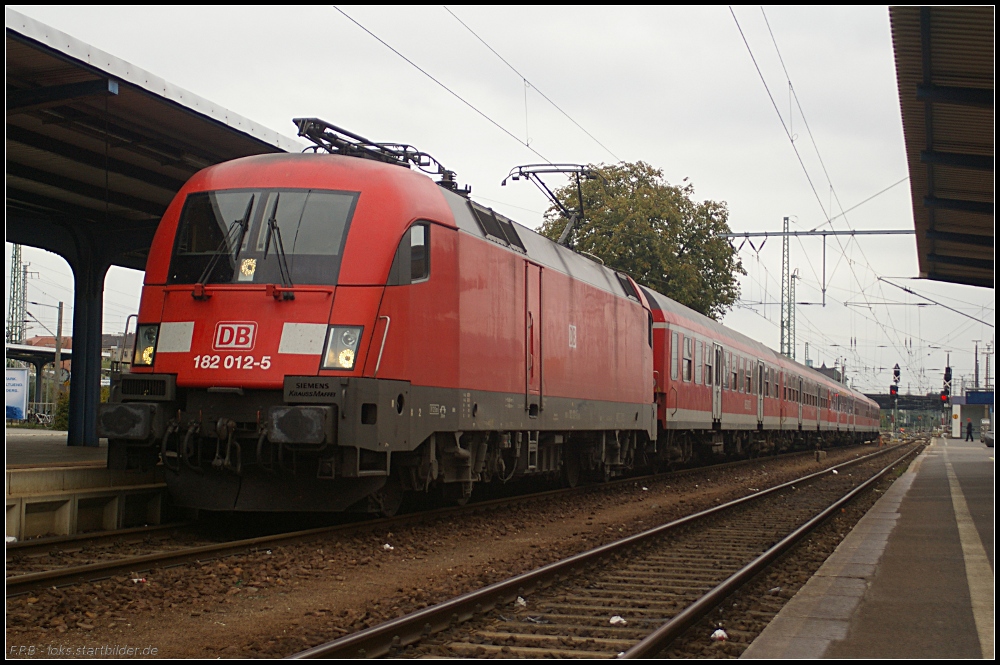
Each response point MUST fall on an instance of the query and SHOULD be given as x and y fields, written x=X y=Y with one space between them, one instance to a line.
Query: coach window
x=738 y=374
x=748 y=376
x=675 y=350
x=708 y=364
x=688 y=352
x=697 y=361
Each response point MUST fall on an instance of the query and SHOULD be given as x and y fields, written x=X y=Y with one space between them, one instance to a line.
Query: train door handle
x=674 y=391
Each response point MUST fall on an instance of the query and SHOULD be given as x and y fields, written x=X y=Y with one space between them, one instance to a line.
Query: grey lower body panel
x=257 y=490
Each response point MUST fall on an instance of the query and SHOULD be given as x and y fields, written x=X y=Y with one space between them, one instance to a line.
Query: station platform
x=25 y=448
x=914 y=579
x=52 y=489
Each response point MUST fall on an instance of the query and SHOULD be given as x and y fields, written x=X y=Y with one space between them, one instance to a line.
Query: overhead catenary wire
x=450 y=91
x=805 y=170
x=826 y=173
x=530 y=84
x=912 y=292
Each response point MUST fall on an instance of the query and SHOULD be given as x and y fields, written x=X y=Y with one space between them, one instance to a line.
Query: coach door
x=760 y=393
x=720 y=373
x=532 y=338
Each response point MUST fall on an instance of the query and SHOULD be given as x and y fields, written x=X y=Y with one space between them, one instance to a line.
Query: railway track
x=27 y=551
x=101 y=563
x=631 y=597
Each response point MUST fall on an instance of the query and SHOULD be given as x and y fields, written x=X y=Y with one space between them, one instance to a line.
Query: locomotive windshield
x=243 y=236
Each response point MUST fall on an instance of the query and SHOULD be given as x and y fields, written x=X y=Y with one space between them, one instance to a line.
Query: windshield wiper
x=242 y=225
x=279 y=248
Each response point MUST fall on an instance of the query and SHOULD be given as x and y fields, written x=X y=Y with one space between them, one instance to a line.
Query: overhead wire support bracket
x=533 y=172
x=338 y=141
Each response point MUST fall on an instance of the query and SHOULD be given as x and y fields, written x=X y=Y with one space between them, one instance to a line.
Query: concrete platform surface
x=914 y=579
x=42 y=447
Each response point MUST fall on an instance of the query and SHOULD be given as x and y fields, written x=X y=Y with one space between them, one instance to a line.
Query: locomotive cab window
x=256 y=236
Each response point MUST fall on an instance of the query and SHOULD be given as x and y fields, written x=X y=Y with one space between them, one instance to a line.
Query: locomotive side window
x=419 y=254
x=250 y=236
x=674 y=352
x=627 y=287
x=412 y=260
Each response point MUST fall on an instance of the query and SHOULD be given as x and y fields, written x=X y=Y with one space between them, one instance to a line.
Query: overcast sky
x=674 y=87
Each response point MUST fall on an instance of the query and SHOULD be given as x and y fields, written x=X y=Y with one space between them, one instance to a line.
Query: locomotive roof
x=540 y=249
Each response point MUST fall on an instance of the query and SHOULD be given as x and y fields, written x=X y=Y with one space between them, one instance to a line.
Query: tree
x=637 y=223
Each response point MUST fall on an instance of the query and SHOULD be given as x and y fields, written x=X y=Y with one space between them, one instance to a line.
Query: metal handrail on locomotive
x=328 y=331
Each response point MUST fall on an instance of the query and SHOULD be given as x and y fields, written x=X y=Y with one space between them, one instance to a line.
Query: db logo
x=234 y=335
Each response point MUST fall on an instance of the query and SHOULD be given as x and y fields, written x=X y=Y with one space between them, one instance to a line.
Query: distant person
x=968 y=429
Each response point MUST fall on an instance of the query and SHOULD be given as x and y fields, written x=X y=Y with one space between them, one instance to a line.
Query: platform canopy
x=945 y=73
x=96 y=145
x=96 y=148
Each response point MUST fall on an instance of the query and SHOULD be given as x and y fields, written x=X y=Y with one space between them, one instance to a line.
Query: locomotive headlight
x=341 y=348
x=145 y=344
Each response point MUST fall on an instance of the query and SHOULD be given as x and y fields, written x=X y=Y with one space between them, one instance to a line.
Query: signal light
x=947 y=375
x=893 y=390
x=944 y=398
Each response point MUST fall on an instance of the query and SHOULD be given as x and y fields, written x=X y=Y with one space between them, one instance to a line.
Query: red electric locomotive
x=324 y=332
x=321 y=332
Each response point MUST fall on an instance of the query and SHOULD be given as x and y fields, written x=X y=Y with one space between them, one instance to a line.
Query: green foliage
x=657 y=233
x=61 y=419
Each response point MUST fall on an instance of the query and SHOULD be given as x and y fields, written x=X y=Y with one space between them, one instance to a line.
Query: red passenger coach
x=322 y=332
x=719 y=391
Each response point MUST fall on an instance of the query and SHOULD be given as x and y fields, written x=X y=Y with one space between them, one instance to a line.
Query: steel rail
x=69 y=543
x=101 y=570
x=665 y=634
x=381 y=639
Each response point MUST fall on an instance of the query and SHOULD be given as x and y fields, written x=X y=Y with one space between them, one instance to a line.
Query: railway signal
x=946 y=388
